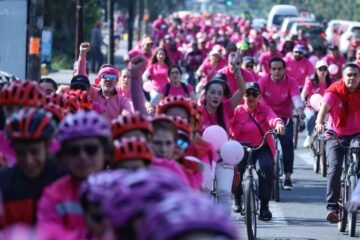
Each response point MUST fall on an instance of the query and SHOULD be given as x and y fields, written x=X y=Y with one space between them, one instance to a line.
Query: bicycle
x=318 y=149
x=278 y=169
x=298 y=126
x=349 y=179
x=250 y=197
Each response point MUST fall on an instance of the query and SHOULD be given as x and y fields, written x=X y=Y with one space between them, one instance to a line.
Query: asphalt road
x=301 y=213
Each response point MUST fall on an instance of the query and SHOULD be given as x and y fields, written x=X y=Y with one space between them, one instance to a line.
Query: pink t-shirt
x=211 y=118
x=265 y=58
x=299 y=69
x=231 y=79
x=278 y=96
x=158 y=75
x=176 y=91
x=339 y=62
x=209 y=71
x=312 y=89
x=353 y=119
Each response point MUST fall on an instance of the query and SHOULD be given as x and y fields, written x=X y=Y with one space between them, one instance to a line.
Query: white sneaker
x=307 y=142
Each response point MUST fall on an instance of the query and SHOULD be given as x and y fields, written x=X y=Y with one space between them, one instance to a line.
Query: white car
x=353 y=29
x=332 y=29
x=289 y=21
x=278 y=13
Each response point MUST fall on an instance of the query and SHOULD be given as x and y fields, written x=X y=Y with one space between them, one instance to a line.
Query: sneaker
x=288 y=185
x=237 y=209
x=265 y=214
x=332 y=216
x=307 y=142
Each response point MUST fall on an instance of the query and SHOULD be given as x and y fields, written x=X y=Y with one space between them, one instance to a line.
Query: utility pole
x=110 y=11
x=131 y=24
x=79 y=26
x=36 y=22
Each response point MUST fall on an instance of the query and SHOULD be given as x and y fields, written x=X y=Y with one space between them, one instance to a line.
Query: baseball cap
x=299 y=48
x=80 y=82
x=248 y=59
x=252 y=85
x=320 y=64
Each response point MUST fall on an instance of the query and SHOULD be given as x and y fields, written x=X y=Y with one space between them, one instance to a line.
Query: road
x=301 y=213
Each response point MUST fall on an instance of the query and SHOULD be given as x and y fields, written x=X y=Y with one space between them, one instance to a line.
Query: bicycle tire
x=352 y=216
x=316 y=150
x=342 y=212
x=295 y=131
x=277 y=183
x=322 y=154
x=250 y=210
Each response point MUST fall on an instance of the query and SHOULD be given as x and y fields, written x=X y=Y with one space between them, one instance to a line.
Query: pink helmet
x=141 y=188
x=83 y=124
x=183 y=213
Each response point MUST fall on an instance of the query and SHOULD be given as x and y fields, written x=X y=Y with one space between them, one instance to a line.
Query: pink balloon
x=215 y=135
x=232 y=152
x=148 y=86
x=315 y=101
x=333 y=69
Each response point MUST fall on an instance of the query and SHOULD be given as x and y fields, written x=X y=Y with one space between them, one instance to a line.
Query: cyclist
x=280 y=92
x=30 y=131
x=48 y=85
x=131 y=125
x=334 y=57
x=317 y=84
x=341 y=101
x=85 y=146
x=298 y=66
x=250 y=122
x=265 y=57
x=196 y=218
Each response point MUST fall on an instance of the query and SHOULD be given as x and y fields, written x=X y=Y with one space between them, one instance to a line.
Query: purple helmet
x=83 y=124
x=98 y=187
x=181 y=213
x=137 y=191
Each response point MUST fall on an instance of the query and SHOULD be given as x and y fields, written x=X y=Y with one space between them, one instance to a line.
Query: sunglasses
x=183 y=144
x=111 y=77
x=89 y=149
x=322 y=69
x=251 y=93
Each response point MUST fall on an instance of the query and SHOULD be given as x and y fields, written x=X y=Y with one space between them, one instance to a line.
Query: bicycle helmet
x=100 y=186
x=137 y=191
x=126 y=123
x=182 y=126
x=132 y=148
x=56 y=111
x=73 y=102
x=180 y=214
x=174 y=101
x=30 y=124
x=83 y=124
x=58 y=100
x=22 y=93
x=84 y=100
x=6 y=78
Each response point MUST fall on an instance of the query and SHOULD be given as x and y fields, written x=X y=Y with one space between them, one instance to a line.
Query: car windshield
x=311 y=29
x=278 y=19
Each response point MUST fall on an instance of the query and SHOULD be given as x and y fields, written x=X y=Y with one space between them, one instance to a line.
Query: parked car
x=349 y=37
x=314 y=32
x=278 y=13
x=289 y=21
x=333 y=28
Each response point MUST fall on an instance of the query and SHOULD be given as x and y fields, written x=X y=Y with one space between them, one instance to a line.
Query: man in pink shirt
x=297 y=66
x=334 y=57
x=280 y=92
x=265 y=57
x=145 y=50
x=230 y=74
x=342 y=103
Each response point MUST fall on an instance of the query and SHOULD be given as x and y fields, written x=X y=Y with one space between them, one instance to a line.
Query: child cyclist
x=85 y=140
x=30 y=132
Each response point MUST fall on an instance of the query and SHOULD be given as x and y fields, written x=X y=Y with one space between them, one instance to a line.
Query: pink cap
x=108 y=70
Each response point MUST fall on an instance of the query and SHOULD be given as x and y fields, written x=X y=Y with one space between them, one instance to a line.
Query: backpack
x=183 y=85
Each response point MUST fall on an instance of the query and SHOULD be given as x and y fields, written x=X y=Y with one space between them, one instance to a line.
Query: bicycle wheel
x=295 y=131
x=342 y=212
x=322 y=158
x=277 y=183
x=352 y=216
x=250 y=210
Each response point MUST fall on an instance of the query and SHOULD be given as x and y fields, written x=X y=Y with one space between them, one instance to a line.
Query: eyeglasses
x=322 y=69
x=182 y=143
x=109 y=77
x=89 y=149
x=175 y=73
x=251 y=93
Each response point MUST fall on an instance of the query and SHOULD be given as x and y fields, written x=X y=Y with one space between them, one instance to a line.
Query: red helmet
x=56 y=111
x=182 y=126
x=58 y=100
x=73 y=102
x=126 y=123
x=132 y=148
x=196 y=114
x=83 y=98
x=22 y=93
x=30 y=124
x=172 y=101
